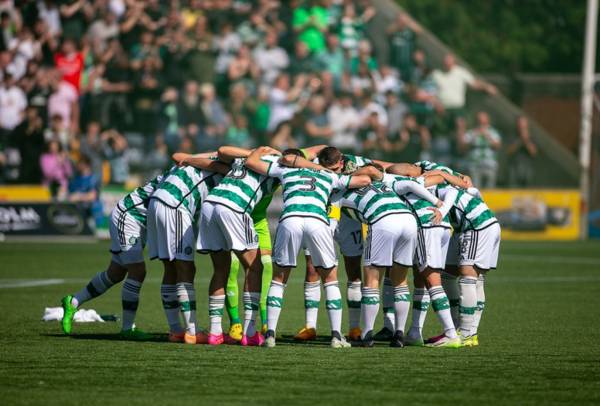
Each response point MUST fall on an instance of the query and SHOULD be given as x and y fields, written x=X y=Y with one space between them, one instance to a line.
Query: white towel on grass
x=81 y=316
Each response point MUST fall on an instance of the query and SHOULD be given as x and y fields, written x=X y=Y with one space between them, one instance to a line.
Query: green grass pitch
x=539 y=342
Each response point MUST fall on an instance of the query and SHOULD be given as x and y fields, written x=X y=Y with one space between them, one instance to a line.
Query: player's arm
x=295 y=161
x=182 y=158
x=402 y=187
x=255 y=163
x=228 y=153
x=404 y=169
x=208 y=164
x=450 y=178
x=311 y=153
x=358 y=181
x=448 y=197
x=384 y=164
x=372 y=172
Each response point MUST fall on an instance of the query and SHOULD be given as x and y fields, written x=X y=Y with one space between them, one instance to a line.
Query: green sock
x=232 y=293
x=267 y=275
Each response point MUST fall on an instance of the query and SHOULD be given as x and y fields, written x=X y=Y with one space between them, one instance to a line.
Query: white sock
x=274 y=303
x=441 y=306
x=251 y=305
x=369 y=309
x=450 y=284
x=216 y=304
x=389 y=318
x=312 y=299
x=468 y=304
x=401 y=306
x=130 y=298
x=480 y=302
x=99 y=284
x=333 y=303
x=420 y=306
x=186 y=295
x=170 y=303
x=354 y=296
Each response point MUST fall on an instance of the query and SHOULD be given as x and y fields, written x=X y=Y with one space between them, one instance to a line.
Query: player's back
x=471 y=213
x=242 y=188
x=372 y=203
x=186 y=187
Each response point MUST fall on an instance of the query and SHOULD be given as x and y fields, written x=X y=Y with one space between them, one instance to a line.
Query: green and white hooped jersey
x=431 y=166
x=422 y=208
x=186 y=186
x=243 y=188
x=354 y=162
x=371 y=203
x=469 y=212
x=306 y=192
x=136 y=202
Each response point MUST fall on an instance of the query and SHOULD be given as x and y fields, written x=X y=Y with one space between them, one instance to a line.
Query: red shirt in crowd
x=70 y=67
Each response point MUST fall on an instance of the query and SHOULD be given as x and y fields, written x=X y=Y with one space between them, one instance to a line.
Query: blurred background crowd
x=102 y=91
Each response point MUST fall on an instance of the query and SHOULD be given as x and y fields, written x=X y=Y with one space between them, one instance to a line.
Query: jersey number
x=310 y=183
x=377 y=189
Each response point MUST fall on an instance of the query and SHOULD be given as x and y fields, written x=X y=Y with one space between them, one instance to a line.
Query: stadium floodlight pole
x=587 y=93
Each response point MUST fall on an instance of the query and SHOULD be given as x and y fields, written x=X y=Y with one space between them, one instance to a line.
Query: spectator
x=481 y=145
x=302 y=61
x=64 y=101
x=12 y=105
x=395 y=110
x=74 y=17
x=103 y=30
x=56 y=170
x=522 y=153
x=214 y=119
x=351 y=26
x=115 y=149
x=58 y=132
x=91 y=147
x=310 y=24
x=147 y=89
x=419 y=68
x=84 y=190
x=372 y=136
x=242 y=68
x=411 y=143
x=69 y=63
x=170 y=115
x=200 y=58
x=344 y=122
x=157 y=159
x=282 y=99
x=238 y=134
x=331 y=59
x=402 y=37
x=452 y=83
x=28 y=138
x=317 y=126
x=270 y=58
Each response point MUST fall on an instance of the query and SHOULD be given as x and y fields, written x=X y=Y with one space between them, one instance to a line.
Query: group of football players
x=422 y=216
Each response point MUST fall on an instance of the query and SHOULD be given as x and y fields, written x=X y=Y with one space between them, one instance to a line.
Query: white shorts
x=294 y=233
x=349 y=236
x=127 y=238
x=333 y=226
x=391 y=240
x=222 y=229
x=171 y=232
x=432 y=248
x=480 y=247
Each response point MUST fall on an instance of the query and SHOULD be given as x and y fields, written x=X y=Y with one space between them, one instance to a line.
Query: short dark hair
x=84 y=159
x=329 y=156
x=293 y=151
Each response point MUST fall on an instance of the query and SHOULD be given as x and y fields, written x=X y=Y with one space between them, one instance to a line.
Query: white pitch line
x=552 y=258
x=20 y=283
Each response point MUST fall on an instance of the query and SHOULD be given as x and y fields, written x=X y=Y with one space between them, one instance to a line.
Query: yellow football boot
x=235 y=331
x=306 y=334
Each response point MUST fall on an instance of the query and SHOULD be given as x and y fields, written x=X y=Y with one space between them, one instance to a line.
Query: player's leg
x=312 y=301
x=130 y=299
x=232 y=299
x=370 y=302
x=265 y=247
x=251 y=261
x=170 y=303
x=317 y=237
x=349 y=236
x=389 y=316
x=404 y=252
x=216 y=295
x=488 y=249
x=450 y=277
x=441 y=307
x=186 y=296
x=288 y=242
x=420 y=305
x=275 y=301
x=99 y=284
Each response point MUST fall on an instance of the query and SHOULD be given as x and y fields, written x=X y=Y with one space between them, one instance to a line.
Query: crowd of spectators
x=83 y=80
